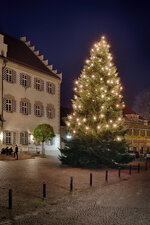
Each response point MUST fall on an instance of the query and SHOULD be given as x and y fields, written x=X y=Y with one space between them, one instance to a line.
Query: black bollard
x=90 y=179
x=71 y=184
x=44 y=191
x=130 y=169
x=106 y=176
x=10 y=199
x=119 y=172
x=138 y=167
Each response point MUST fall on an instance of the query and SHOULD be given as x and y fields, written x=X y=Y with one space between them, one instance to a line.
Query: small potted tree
x=42 y=133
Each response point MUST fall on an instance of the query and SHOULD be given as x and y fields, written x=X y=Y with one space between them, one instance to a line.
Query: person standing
x=16 y=151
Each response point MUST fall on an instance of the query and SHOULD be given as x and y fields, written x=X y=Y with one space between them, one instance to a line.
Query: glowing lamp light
x=118 y=139
x=31 y=137
x=94 y=118
x=86 y=128
x=68 y=136
x=1 y=136
x=74 y=131
x=87 y=61
x=76 y=82
x=98 y=127
x=114 y=125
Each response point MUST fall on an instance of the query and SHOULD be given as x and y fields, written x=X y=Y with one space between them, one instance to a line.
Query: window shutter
x=21 y=83
x=42 y=85
x=20 y=107
x=35 y=82
x=47 y=86
x=29 y=81
x=53 y=113
x=14 y=106
x=4 y=137
x=4 y=104
x=29 y=108
x=14 y=76
x=42 y=110
x=47 y=112
x=4 y=73
x=14 y=138
x=21 y=138
x=35 y=110
x=53 y=89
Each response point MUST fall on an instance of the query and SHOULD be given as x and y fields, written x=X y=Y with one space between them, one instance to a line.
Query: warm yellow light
x=102 y=96
x=74 y=131
x=110 y=121
x=114 y=125
x=102 y=115
x=87 y=61
x=76 y=82
x=31 y=137
x=98 y=127
x=119 y=118
x=93 y=76
x=94 y=117
x=118 y=139
x=117 y=106
x=86 y=128
x=84 y=119
x=107 y=125
x=68 y=124
x=70 y=117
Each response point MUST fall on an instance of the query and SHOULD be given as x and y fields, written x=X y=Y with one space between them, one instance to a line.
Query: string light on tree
x=95 y=95
x=97 y=123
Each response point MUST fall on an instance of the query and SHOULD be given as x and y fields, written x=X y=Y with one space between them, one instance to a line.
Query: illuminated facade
x=138 y=136
x=29 y=95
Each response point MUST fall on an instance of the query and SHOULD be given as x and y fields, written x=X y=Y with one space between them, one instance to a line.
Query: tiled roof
x=127 y=110
x=20 y=53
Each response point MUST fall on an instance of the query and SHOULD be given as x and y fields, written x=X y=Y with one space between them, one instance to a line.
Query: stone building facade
x=138 y=135
x=29 y=95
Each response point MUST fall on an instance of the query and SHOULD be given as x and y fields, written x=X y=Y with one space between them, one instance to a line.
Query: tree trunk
x=43 y=150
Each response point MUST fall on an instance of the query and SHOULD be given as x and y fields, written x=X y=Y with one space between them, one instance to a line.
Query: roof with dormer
x=19 y=52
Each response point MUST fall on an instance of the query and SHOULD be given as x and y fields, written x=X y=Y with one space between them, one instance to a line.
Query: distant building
x=29 y=95
x=138 y=135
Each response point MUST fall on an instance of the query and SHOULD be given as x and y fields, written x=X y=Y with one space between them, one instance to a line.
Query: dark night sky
x=64 y=31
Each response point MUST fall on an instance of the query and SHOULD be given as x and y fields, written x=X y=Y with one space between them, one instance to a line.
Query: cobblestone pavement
x=124 y=201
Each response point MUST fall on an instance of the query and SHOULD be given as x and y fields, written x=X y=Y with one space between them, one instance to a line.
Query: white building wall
x=18 y=122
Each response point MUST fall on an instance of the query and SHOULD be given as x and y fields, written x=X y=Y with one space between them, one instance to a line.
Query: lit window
x=49 y=112
x=50 y=88
x=24 y=138
x=136 y=132
x=8 y=105
x=25 y=108
x=8 y=137
x=24 y=80
x=9 y=76
x=38 y=84
x=142 y=132
x=148 y=132
x=130 y=131
x=37 y=110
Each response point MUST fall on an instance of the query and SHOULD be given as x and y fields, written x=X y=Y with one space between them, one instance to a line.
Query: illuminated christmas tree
x=97 y=101
x=97 y=123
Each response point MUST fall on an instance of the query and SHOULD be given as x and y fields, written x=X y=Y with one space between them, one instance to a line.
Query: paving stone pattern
x=124 y=201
